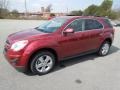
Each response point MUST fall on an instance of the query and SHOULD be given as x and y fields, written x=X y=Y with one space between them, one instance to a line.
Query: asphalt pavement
x=89 y=72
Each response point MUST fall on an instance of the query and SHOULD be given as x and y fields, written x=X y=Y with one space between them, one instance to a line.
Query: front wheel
x=104 y=49
x=42 y=63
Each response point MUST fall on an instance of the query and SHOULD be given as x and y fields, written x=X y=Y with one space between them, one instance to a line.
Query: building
x=44 y=15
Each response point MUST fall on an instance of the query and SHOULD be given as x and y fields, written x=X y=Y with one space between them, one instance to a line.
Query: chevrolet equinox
x=64 y=37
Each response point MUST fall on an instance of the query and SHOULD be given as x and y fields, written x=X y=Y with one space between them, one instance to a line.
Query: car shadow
x=69 y=62
x=113 y=49
x=77 y=60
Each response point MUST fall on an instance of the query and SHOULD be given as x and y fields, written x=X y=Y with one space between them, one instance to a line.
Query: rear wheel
x=42 y=63
x=104 y=49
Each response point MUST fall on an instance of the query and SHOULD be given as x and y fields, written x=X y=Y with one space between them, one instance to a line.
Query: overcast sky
x=57 y=5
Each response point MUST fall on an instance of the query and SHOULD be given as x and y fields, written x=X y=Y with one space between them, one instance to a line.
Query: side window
x=76 y=25
x=92 y=24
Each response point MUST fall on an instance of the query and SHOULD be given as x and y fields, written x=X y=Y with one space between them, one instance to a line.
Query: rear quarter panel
x=108 y=32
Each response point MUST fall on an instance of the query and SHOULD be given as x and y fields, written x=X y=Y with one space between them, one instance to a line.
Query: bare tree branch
x=4 y=4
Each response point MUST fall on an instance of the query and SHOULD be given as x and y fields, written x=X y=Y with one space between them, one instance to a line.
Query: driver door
x=72 y=43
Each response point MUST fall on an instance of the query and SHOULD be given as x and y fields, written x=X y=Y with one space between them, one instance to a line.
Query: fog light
x=14 y=61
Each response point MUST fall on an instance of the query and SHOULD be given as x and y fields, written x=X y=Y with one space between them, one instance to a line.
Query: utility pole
x=67 y=10
x=25 y=8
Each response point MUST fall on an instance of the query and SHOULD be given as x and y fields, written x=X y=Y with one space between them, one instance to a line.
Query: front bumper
x=14 y=61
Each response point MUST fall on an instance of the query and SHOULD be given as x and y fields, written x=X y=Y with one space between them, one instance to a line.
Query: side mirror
x=117 y=25
x=69 y=30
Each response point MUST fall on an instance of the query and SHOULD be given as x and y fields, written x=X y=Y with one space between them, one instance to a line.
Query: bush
x=76 y=13
x=3 y=13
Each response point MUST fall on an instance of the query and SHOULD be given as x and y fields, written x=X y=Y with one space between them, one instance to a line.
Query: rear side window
x=92 y=24
x=107 y=21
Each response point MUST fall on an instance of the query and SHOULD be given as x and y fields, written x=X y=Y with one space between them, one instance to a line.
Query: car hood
x=25 y=35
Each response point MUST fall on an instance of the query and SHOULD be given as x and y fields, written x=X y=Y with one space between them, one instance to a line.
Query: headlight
x=17 y=46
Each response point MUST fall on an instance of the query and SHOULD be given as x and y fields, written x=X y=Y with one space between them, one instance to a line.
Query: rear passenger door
x=95 y=30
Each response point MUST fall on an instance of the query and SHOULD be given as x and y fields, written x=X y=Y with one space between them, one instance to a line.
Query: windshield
x=51 y=25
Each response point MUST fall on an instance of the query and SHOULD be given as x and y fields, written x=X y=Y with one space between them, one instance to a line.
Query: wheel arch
x=39 y=50
x=109 y=40
x=106 y=39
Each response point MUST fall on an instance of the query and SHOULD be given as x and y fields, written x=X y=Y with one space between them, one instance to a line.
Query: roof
x=75 y=17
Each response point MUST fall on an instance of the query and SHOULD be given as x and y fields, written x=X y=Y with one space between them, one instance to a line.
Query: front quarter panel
x=35 y=46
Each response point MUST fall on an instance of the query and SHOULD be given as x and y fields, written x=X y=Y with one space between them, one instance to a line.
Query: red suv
x=40 y=48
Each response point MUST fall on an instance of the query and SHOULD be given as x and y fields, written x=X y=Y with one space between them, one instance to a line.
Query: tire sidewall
x=35 y=58
x=100 y=50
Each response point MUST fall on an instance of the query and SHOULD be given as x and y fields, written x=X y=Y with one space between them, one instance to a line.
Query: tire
x=42 y=63
x=104 y=49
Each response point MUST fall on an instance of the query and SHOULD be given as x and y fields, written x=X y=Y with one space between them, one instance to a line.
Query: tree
x=76 y=13
x=113 y=15
x=4 y=13
x=3 y=8
x=91 y=10
x=15 y=14
x=105 y=8
x=4 y=4
x=118 y=13
x=48 y=8
x=107 y=5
